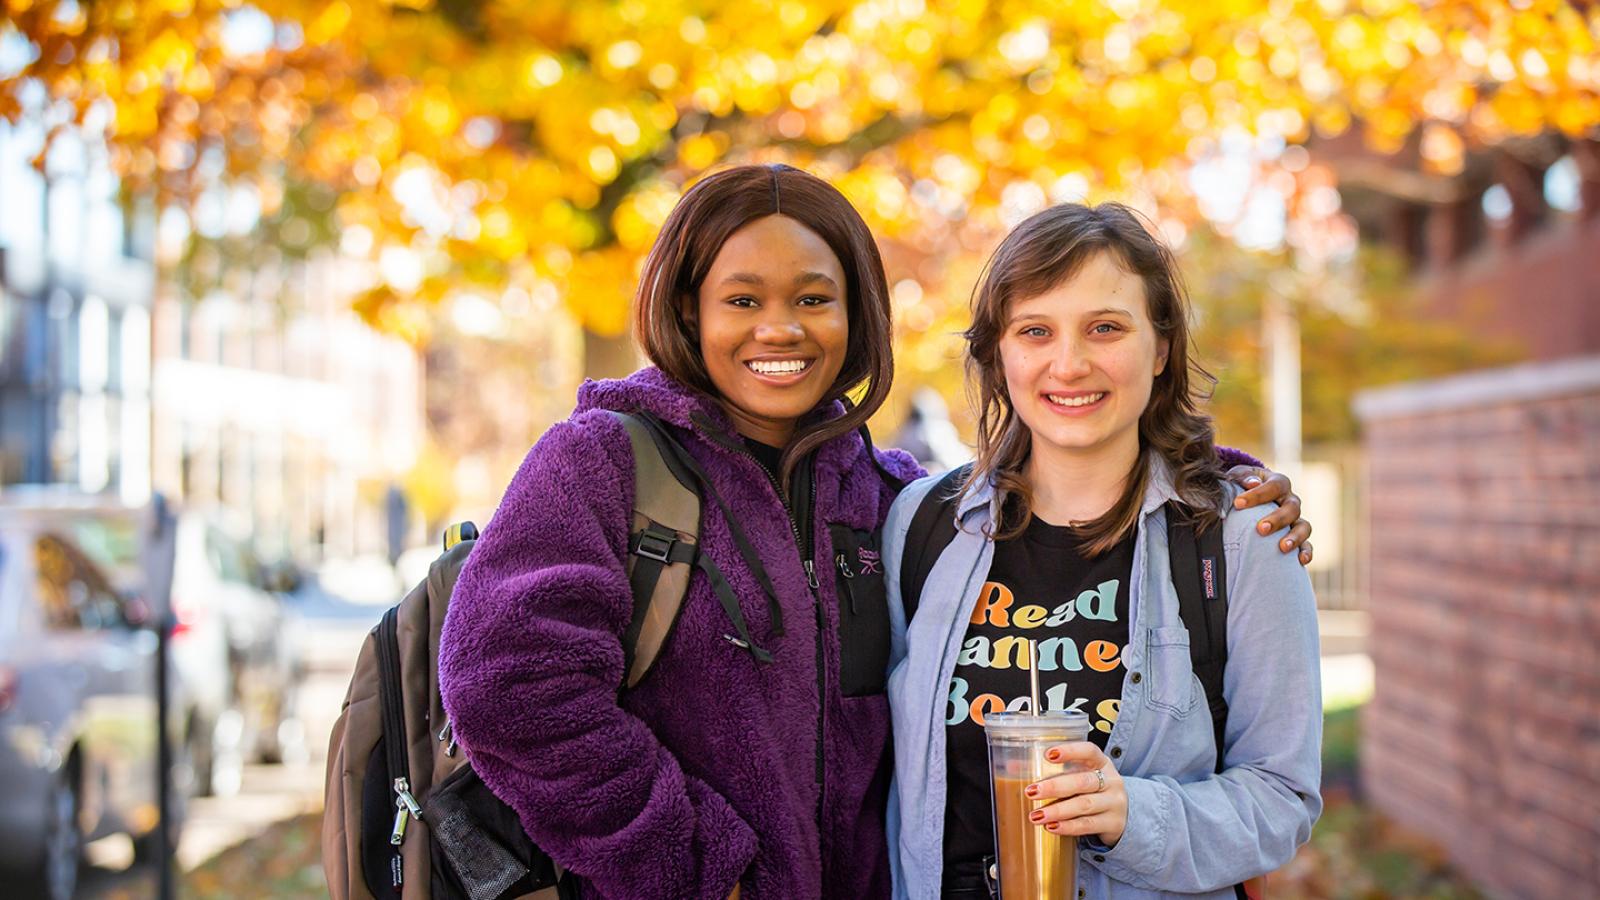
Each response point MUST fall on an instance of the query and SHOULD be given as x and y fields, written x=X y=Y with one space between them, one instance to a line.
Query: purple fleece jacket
x=704 y=775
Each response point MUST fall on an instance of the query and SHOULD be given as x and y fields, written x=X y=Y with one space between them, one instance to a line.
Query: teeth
x=1075 y=401
x=778 y=367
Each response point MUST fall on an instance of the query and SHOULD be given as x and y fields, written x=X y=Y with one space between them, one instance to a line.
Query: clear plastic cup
x=1032 y=863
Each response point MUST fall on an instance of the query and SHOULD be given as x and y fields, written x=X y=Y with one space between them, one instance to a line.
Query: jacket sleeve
x=1231 y=457
x=899 y=465
x=530 y=662
x=895 y=527
x=1248 y=820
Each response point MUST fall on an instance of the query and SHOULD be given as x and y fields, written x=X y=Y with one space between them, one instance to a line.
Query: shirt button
x=1116 y=752
x=1137 y=678
x=1099 y=858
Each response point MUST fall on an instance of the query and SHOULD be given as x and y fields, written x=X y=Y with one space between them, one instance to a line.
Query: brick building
x=1508 y=247
x=1484 y=516
x=1484 y=728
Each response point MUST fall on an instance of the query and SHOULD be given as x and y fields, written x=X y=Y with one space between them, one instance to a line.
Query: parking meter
x=159 y=548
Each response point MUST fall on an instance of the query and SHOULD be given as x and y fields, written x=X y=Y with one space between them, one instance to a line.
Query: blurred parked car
x=234 y=646
x=78 y=701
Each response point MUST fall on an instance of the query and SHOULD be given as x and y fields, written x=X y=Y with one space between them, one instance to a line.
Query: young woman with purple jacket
x=753 y=759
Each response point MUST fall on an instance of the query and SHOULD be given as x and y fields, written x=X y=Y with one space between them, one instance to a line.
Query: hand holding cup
x=1090 y=801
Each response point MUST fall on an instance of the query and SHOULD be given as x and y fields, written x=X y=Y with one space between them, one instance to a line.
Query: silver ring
x=1102 y=776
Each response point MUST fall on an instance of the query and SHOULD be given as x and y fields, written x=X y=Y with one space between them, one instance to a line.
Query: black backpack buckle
x=654 y=545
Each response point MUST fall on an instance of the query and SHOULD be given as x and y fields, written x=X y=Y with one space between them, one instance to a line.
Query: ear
x=689 y=308
x=1163 y=348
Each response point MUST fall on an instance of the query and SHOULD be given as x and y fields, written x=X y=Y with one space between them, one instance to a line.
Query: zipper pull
x=405 y=809
x=849 y=576
x=402 y=817
x=448 y=733
x=811 y=575
x=403 y=798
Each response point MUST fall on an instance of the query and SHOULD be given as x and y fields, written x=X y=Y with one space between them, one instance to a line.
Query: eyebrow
x=801 y=280
x=1103 y=311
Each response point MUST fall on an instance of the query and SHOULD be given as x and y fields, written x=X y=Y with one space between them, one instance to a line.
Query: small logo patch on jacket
x=1208 y=576
x=869 y=560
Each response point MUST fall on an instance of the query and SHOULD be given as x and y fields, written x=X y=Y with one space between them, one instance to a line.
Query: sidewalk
x=1346 y=668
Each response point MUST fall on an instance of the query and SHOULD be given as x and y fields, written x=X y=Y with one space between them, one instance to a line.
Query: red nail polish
x=1053 y=756
x=1033 y=790
x=1036 y=816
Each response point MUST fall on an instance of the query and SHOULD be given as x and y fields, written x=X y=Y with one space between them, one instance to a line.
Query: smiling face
x=773 y=325
x=1079 y=361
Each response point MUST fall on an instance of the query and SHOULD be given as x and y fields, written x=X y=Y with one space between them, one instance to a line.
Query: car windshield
x=228 y=558
x=112 y=542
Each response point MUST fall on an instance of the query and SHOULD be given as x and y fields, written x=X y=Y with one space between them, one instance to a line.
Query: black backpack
x=1199 y=572
x=407 y=816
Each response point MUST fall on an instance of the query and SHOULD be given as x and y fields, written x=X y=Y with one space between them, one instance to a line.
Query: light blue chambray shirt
x=1189 y=830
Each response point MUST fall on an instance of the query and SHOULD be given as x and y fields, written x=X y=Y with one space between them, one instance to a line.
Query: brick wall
x=1484 y=729
x=1541 y=293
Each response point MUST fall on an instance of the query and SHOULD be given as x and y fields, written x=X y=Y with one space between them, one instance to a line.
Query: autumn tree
x=522 y=155
x=532 y=147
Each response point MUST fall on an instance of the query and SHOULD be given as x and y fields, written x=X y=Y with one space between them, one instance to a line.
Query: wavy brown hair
x=1043 y=252
x=694 y=233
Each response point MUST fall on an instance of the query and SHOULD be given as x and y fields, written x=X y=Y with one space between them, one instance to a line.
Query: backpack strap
x=668 y=488
x=662 y=546
x=1199 y=573
x=933 y=527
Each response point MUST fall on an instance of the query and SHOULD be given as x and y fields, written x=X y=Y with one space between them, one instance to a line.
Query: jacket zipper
x=809 y=565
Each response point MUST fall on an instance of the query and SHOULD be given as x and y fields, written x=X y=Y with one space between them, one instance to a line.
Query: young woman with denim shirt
x=1088 y=427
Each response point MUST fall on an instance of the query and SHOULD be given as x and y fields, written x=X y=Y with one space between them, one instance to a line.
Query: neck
x=1078 y=485
x=772 y=432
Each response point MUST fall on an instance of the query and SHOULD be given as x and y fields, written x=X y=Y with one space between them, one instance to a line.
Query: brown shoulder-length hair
x=694 y=233
x=1046 y=250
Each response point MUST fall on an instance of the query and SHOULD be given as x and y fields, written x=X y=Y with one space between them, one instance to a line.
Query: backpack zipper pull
x=844 y=565
x=811 y=575
x=405 y=809
x=403 y=798
x=402 y=817
x=448 y=733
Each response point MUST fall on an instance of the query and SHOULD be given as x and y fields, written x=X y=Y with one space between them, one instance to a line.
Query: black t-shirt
x=1041 y=588
x=767 y=455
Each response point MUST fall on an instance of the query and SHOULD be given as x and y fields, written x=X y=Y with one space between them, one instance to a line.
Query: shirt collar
x=1158 y=490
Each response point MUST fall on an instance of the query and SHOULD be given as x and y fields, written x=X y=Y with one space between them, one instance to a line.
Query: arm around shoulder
x=1249 y=819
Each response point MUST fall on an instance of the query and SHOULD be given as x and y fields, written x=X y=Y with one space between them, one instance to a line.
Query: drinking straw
x=1033 y=675
x=1037 y=837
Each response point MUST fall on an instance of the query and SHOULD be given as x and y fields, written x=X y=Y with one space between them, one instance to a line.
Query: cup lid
x=1053 y=721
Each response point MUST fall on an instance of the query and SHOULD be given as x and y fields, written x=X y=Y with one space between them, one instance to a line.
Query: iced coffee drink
x=1033 y=864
